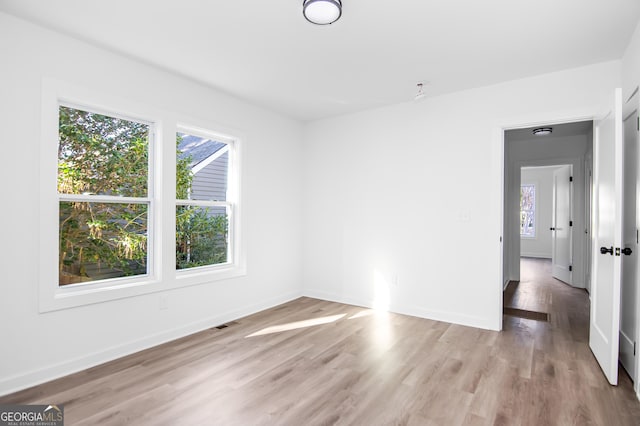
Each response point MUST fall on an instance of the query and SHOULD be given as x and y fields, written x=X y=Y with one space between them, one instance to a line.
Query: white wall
x=37 y=347
x=539 y=152
x=540 y=244
x=631 y=65
x=409 y=196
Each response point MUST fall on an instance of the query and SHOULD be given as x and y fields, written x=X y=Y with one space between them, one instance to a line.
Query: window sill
x=207 y=274
x=59 y=298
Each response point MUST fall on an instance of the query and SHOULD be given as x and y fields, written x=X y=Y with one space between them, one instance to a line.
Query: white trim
x=203 y=203
x=415 y=311
x=114 y=199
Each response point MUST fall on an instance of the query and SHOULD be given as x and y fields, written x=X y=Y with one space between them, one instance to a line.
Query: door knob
x=605 y=250
x=627 y=251
x=552 y=229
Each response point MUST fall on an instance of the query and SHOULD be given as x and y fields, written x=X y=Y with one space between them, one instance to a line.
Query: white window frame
x=114 y=199
x=162 y=275
x=231 y=197
x=535 y=212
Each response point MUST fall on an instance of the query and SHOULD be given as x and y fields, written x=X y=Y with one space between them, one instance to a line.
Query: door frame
x=574 y=162
x=499 y=149
x=498 y=154
x=573 y=220
x=588 y=213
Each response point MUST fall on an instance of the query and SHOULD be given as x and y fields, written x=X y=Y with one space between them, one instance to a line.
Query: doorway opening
x=546 y=217
x=603 y=262
x=547 y=206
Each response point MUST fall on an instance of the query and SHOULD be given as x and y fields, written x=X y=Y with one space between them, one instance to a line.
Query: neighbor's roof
x=198 y=148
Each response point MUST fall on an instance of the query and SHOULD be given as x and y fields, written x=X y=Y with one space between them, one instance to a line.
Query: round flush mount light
x=542 y=131
x=322 y=12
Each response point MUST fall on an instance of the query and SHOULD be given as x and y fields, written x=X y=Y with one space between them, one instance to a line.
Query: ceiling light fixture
x=420 y=93
x=542 y=131
x=322 y=12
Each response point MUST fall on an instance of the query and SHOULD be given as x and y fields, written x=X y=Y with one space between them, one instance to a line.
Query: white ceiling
x=264 y=51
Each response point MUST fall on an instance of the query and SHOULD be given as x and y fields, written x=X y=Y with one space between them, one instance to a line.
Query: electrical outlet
x=163 y=303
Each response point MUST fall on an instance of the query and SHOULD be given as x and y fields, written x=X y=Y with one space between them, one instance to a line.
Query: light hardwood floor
x=312 y=362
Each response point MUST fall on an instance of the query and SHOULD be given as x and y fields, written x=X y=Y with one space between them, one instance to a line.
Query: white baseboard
x=578 y=285
x=55 y=371
x=415 y=311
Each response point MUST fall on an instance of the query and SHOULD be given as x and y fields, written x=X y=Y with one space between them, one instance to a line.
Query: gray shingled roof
x=198 y=148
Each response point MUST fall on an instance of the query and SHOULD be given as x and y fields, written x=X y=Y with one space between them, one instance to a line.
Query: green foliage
x=103 y=155
x=98 y=154
x=201 y=236
x=101 y=240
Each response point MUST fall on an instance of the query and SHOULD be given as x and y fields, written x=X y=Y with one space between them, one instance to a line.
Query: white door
x=607 y=234
x=561 y=224
x=628 y=311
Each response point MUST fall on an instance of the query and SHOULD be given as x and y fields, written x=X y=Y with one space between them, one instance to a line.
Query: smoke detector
x=420 y=93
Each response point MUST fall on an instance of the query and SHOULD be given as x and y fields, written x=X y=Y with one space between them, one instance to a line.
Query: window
x=527 y=211
x=203 y=205
x=112 y=223
x=103 y=196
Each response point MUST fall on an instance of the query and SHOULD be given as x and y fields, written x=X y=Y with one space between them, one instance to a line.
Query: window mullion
x=103 y=199
x=203 y=203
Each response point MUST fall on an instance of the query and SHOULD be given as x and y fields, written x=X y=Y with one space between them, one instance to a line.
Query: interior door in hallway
x=628 y=307
x=561 y=228
x=607 y=233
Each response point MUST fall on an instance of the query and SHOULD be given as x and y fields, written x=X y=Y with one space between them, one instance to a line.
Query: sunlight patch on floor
x=296 y=325
x=362 y=314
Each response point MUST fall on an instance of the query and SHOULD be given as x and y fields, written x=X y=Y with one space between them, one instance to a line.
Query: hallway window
x=528 y=211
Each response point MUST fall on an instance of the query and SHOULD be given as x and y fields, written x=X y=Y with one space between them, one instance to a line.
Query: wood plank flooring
x=312 y=362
